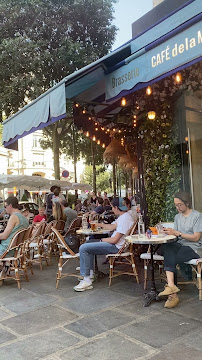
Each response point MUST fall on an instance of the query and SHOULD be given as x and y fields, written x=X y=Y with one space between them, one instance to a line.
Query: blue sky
x=126 y=12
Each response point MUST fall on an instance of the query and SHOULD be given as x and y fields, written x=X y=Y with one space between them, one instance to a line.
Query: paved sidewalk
x=40 y=322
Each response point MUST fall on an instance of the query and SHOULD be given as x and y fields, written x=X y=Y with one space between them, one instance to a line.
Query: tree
x=59 y=36
x=102 y=177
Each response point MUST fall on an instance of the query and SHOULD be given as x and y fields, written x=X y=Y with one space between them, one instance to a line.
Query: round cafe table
x=88 y=232
x=154 y=240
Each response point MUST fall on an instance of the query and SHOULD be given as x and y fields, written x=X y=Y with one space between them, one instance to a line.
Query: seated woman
x=188 y=228
x=16 y=222
x=85 y=207
x=58 y=213
x=41 y=216
x=106 y=205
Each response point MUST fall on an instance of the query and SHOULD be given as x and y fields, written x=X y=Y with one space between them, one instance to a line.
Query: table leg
x=152 y=294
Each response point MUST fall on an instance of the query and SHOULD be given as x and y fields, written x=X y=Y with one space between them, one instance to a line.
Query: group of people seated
x=187 y=229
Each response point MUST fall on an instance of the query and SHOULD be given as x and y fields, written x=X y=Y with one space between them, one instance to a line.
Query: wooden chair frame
x=125 y=258
x=64 y=257
x=15 y=263
x=34 y=248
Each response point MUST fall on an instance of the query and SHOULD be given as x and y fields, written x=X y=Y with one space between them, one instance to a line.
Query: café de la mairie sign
x=149 y=64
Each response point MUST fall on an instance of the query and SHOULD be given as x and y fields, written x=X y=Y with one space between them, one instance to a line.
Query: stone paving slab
x=38 y=346
x=5 y=336
x=109 y=347
x=12 y=295
x=99 y=323
x=3 y=314
x=161 y=329
x=136 y=307
x=94 y=300
x=39 y=320
x=30 y=304
x=178 y=351
x=191 y=308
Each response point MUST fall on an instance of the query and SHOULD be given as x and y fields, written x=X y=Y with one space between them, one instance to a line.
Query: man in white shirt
x=109 y=245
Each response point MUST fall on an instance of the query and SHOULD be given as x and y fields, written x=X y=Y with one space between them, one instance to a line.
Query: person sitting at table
x=58 y=213
x=78 y=205
x=41 y=216
x=70 y=214
x=108 y=245
x=99 y=209
x=29 y=216
x=16 y=222
x=131 y=210
x=187 y=228
x=85 y=207
x=106 y=205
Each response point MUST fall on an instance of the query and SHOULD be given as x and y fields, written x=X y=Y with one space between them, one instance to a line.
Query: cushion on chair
x=119 y=255
x=147 y=256
x=193 y=261
x=69 y=256
x=33 y=245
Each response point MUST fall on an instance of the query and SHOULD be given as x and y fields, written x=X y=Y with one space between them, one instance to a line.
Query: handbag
x=73 y=242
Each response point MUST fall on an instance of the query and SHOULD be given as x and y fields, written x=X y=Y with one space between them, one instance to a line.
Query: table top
x=158 y=239
x=90 y=232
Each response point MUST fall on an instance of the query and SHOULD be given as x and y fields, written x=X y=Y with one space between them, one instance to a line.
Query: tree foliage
x=43 y=41
x=102 y=177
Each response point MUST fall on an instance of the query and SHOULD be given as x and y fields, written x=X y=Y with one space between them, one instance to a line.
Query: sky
x=126 y=12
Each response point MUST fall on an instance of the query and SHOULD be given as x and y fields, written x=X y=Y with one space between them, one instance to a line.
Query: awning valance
x=46 y=110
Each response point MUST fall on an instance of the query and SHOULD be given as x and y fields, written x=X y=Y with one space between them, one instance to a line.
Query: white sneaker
x=78 y=268
x=83 y=285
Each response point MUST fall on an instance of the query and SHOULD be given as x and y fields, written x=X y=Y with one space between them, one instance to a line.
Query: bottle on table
x=141 y=227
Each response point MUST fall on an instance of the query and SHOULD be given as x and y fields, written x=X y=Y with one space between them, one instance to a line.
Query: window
x=38 y=159
x=36 y=142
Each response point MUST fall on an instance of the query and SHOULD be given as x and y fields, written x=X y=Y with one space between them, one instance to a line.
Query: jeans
x=87 y=252
x=174 y=254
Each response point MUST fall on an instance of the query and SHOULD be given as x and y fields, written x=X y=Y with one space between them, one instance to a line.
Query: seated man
x=41 y=216
x=70 y=214
x=109 y=245
x=188 y=228
x=99 y=209
x=16 y=222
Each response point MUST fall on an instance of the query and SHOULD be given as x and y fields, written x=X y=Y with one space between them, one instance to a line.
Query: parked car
x=33 y=207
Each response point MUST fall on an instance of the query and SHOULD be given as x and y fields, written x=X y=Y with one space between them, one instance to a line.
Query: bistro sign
x=178 y=51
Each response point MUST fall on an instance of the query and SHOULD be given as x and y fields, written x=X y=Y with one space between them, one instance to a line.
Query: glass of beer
x=93 y=226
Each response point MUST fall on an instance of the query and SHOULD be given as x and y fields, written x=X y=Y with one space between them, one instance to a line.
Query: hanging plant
x=161 y=159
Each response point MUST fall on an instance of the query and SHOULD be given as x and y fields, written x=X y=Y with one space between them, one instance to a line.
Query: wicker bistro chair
x=125 y=257
x=13 y=258
x=34 y=248
x=64 y=257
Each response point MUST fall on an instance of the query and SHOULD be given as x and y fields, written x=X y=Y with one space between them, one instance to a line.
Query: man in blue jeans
x=109 y=245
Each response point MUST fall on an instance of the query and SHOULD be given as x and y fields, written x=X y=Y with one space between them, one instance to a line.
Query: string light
x=134 y=117
x=84 y=111
x=123 y=101
x=114 y=129
x=178 y=78
x=108 y=130
x=122 y=141
x=103 y=145
x=186 y=139
x=87 y=134
x=96 y=129
x=148 y=90
x=102 y=128
x=89 y=118
x=151 y=115
x=137 y=107
x=98 y=142
x=96 y=123
x=94 y=138
x=76 y=105
x=119 y=131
